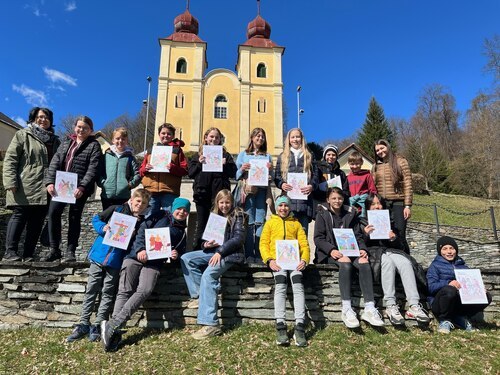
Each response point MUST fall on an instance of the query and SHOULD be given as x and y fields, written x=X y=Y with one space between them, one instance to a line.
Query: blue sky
x=92 y=57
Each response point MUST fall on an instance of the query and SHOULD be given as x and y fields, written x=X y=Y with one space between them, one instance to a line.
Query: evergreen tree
x=375 y=127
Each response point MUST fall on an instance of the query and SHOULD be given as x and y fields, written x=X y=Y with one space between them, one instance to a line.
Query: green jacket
x=118 y=175
x=25 y=164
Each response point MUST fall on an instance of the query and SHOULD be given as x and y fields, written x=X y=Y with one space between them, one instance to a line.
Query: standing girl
x=296 y=158
x=393 y=181
x=253 y=198
x=26 y=160
x=120 y=171
x=335 y=215
x=203 y=268
x=207 y=184
x=80 y=154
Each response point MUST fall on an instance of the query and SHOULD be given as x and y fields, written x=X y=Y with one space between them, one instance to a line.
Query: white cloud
x=36 y=10
x=56 y=76
x=71 y=6
x=33 y=97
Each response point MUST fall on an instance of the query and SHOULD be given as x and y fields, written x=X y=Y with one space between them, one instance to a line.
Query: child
x=444 y=297
x=335 y=215
x=207 y=184
x=329 y=168
x=393 y=259
x=138 y=275
x=165 y=186
x=296 y=158
x=253 y=198
x=105 y=263
x=283 y=226
x=203 y=268
x=360 y=182
x=119 y=172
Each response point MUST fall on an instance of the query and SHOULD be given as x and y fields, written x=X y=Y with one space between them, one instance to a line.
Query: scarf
x=297 y=153
x=46 y=136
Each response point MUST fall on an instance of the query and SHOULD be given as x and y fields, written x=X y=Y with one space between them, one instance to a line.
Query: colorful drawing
x=258 y=175
x=121 y=229
x=346 y=242
x=215 y=229
x=381 y=222
x=287 y=254
x=213 y=159
x=159 y=245
x=471 y=286
x=298 y=181
x=65 y=185
x=161 y=157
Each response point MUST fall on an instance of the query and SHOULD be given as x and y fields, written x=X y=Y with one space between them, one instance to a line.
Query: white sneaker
x=394 y=315
x=350 y=319
x=373 y=317
x=418 y=313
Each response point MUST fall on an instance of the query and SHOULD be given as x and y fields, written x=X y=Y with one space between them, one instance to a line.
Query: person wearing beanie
x=81 y=154
x=330 y=174
x=444 y=296
x=284 y=226
x=138 y=274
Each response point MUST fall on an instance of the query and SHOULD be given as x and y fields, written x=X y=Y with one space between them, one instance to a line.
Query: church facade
x=194 y=100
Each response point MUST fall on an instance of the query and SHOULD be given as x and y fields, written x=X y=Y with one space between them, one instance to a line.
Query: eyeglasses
x=42 y=118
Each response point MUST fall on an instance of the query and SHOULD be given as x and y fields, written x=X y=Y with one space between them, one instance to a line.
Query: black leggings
x=31 y=217
x=74 y=222
x=365 y=279
x=447 y=304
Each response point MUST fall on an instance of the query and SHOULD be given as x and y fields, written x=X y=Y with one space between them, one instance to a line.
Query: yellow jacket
x=277 y=228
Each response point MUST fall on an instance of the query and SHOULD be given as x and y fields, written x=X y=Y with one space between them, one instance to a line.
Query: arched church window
x=220 y=108
x=261 y=70
x=181 y=66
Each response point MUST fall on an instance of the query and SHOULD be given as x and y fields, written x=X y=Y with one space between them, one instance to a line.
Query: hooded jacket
x=361 y=183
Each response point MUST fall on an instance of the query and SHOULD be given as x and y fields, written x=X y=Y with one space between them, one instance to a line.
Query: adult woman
x=26 y=159
x=80 y=153
x=393 y=181
x=253 y=198
x=207 y=184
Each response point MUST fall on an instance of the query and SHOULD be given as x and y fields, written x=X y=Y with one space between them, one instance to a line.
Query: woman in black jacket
x=80 y=154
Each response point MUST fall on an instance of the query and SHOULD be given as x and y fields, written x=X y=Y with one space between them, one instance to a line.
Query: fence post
x=436 y=217
x=493 y=223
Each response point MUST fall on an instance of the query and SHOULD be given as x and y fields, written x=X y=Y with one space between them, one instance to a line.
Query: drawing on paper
x=65 y=185
x=213 y=159
x=158 y=243
x=121 y=229
x=258 y=175
x=287 y=254
x=161 y=157
x=346 y=242
x=471 y=286
x=215 y=229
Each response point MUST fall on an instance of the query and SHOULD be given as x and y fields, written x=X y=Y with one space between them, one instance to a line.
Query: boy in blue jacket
x=138 y=275
x=444 y=297
x=105 y=264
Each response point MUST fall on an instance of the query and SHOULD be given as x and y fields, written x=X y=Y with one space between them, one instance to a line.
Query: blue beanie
x=181 y=203
x=282 y=199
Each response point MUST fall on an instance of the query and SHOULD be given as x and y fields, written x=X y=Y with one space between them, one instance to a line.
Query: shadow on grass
x=138 y=336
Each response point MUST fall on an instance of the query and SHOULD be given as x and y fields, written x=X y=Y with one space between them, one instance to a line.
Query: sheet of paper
x=65 y=185
x=381 y=222
x=161 y=156
x=346 y=242
x=215 y=229
x=213 y=159
x=158 y=245
x=298 y=181
x=287 y=254
x=121 y=229
x=258 y=175
x=472 y=286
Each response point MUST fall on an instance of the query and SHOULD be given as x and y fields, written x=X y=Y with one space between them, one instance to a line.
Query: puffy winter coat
x=85 y=163
x=118 y=174
x=24 y=167
x=441 y=272
x=277 y=228
x=385 y=184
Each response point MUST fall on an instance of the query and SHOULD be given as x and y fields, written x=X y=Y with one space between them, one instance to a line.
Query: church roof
x=185 y=28
x=258 y=33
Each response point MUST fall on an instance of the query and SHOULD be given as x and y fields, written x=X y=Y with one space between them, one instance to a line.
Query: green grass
x=458 y=203
x=250 y=349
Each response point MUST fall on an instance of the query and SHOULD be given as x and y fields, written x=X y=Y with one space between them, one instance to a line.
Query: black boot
x=11 y=256
x=53 y=255
x=69 y=256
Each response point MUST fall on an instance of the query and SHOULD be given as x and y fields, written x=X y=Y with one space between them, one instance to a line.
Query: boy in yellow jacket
x=283 y=226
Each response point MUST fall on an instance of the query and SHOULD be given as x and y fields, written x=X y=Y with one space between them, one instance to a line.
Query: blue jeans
x=256 y=209
x=204 y=284
x=161 y=201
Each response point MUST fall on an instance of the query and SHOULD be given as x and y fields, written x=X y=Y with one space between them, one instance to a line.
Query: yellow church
x=194 y=100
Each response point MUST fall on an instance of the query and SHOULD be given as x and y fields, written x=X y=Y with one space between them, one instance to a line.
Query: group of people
x=332 y=198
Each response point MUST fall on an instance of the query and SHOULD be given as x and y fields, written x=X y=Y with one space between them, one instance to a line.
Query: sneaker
x=69 y=256
x=206 y=331
x=464 y=323
x=79 y=332
x=350 y=319
x=394 y=315
x=28 y=259
x=53 y=255
x=299 y=335
x=11 y=256
x=373 y=317
x=281 y=334
x=417 y=312
x=108 y=333
x=445 y=326
x=95 y=333
x=193 y=304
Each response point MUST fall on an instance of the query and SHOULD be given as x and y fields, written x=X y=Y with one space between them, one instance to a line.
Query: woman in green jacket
x=26 y=160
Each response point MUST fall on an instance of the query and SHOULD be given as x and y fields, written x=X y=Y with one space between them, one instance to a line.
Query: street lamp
x=147 y=114
x=299 y=111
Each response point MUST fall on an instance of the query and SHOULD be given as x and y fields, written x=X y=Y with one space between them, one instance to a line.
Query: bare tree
x=492 y=52
x=67 y=125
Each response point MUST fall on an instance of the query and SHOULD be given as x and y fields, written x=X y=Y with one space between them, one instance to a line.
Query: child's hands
x=306 y=189
x=274 y=266
x=174 y=255
x=455 y=283
x=51 y=190
x=202 y=159
x=215 y=260
x=406 y=213
x=286 y=187
x=363 y=254
x=335 y=254
x=245 y=167
x=392 y=235
x=301 y=265
x=106 y=228
x=369 y=229
x=210 y=244
x=142 y=256
x=149 y=166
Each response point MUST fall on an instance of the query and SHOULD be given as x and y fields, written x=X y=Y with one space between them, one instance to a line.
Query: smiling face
x=295 y=139
x=258 y=140
x=381 y=151
x=165 y=136
x=42 y=120
x=335 y=200
x=180 y=214
x=376 y=204
x=224 y=205
x=120 y=141
x=330 y=157
x=82 y=130
x=283 y=210
x=138 y=205
x=213 y=138
x=448 y=252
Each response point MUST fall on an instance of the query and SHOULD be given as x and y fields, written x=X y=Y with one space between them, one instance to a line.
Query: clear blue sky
x=92 y=57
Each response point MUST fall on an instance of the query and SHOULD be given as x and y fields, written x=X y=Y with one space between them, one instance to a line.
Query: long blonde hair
x=263 y=149
x=221 y=136
x=285 y=155
x=235 y=211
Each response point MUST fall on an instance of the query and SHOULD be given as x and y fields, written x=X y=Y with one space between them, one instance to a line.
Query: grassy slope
x=250 y=349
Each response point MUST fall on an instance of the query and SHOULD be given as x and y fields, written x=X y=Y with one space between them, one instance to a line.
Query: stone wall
x=43 y=294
